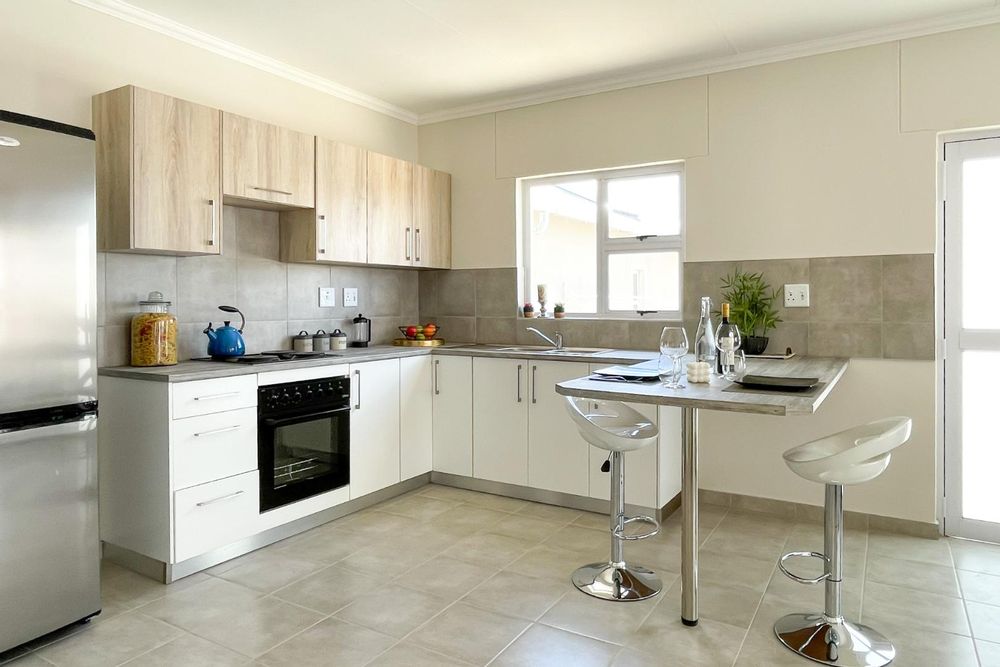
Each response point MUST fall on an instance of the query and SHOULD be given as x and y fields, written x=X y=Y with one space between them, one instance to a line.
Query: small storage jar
x=154 y=333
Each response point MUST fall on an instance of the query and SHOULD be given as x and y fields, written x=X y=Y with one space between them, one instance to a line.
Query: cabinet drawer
x=203 y=397
x=214 y=446
x=213 y=515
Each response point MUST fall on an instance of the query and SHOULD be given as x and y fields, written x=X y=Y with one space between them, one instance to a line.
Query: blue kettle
x=226 y=341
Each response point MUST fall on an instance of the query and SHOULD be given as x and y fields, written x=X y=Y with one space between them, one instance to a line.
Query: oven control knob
x=297 y=398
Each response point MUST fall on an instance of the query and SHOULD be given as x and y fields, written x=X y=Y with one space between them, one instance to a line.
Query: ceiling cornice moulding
x=165 y=26
x=899 y=31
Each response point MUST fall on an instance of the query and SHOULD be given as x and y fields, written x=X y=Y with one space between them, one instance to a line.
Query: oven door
x=303 y=455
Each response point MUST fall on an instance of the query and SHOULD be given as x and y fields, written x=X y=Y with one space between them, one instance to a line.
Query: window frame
x=607 y=246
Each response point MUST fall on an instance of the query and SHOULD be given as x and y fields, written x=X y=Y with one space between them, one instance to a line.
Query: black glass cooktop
x=271 y=357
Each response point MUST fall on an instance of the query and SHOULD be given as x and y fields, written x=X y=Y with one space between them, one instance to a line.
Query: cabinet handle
x=408 y=243
x=279 y=192
x=322 y=219
x=357 y=404
x=437 y=370
x=211 y=241
x=228 y=496
x=534 y=389
x=216 y=431
x=519 y=367
x=212 y=397
x=416 y=236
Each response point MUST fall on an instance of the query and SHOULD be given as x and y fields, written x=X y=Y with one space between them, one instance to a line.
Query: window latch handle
x=642 y=313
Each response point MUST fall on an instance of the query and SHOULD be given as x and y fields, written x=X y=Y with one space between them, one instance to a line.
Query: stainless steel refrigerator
x=49 y=545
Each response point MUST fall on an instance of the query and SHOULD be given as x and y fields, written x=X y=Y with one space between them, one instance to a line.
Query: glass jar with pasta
x=154 y=333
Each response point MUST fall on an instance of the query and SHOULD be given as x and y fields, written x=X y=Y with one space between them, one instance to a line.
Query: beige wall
x=826 y=156
x=57 y=54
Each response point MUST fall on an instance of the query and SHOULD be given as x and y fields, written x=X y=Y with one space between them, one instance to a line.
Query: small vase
x=755 y=344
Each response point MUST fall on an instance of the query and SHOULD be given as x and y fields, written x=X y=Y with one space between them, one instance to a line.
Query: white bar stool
x=617 y=428
x=853 y=456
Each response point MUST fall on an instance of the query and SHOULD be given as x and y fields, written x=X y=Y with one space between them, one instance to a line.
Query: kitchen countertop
x=188 y=371
x=723 y=395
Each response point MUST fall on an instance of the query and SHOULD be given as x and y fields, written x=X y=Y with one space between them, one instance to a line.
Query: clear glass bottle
x=704 y=339
x=154 y=333
x=727 y=341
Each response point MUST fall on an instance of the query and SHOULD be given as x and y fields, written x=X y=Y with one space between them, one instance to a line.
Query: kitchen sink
x=544 y=349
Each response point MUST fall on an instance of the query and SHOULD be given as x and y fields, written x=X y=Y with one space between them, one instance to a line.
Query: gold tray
x=406 y=342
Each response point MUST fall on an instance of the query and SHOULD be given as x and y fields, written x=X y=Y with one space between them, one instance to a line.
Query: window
x=606 y=243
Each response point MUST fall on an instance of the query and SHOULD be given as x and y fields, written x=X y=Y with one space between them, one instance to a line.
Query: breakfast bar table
x=725 y=396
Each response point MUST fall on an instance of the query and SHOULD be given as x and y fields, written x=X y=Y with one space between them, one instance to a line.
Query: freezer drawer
x=49 y=549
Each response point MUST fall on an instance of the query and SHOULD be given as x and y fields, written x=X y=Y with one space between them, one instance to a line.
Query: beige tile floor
x=444 y=576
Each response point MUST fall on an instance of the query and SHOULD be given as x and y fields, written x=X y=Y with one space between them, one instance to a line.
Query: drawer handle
x=228 y=496
x=212 y=397
x=216 y=431
x=280 y=192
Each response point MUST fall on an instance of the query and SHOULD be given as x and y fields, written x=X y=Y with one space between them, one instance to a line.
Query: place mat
x=737 y=389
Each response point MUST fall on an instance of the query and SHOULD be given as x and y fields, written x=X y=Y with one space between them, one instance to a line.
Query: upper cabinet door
x=431 y=218
x=390 y=210
x=158 y=173
x=341 y=202
x=267 y=163
x=337 y=229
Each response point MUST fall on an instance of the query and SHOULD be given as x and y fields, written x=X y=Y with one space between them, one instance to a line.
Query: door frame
x=942 y=344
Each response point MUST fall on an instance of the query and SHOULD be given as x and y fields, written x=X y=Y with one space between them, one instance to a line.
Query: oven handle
x=302 y=418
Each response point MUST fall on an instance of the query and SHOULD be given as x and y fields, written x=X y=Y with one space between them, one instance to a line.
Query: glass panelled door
x=972 y=335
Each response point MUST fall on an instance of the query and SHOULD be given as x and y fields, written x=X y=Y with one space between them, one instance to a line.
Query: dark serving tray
x=777 y=382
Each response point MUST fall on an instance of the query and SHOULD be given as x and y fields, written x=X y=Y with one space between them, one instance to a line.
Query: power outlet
x=797 y=296
x=350 y=297
x=327 y=297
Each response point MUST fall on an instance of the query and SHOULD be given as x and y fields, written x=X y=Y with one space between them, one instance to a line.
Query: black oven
x=303 y=441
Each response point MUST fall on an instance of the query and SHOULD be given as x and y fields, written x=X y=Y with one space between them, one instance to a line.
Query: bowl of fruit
x=420 y=331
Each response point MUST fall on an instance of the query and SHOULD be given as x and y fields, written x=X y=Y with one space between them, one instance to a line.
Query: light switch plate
x=350 y=297
x=797 y=296
x=327 y=297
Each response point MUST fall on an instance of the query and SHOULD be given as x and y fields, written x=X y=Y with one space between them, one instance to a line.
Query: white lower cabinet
x=374 y=426
x=415 y=407
x=500 y=420
x=215 y=514
x=558 y=458
x=212 y=446
x=452 y=421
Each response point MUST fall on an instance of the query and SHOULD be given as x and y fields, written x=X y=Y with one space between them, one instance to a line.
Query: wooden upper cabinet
x=337 y=230
x=158 y=173
x=266 y=165
x=431 y=218
x=390 y=210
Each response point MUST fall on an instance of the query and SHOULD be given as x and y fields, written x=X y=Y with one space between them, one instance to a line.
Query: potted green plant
x=559 y=310
x=751 y=303
x=528 y=310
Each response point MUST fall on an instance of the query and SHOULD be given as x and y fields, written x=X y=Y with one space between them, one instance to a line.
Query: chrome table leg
x=689 y=506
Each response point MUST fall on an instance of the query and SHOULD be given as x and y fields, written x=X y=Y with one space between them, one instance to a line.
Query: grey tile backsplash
x=278 y=299
x=878 y=306
x=870 y=307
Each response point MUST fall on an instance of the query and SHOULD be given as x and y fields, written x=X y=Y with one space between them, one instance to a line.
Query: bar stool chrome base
x=611 y=582
x=841 y=642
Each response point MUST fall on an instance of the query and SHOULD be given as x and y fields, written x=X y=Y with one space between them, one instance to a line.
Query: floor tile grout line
x=760 y=602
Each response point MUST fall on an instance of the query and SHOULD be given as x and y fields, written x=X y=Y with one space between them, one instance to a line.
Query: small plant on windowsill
x=752 y=309
x=528 y=310
x=559 y=310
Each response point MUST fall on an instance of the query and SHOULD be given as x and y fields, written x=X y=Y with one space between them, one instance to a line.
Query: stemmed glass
x=674 y=345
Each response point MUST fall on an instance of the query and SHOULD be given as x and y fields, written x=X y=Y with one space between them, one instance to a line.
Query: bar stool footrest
x=620 y=533
x=803 y=554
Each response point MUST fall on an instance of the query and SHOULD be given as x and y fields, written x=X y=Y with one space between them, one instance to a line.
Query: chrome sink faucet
x=557 y=343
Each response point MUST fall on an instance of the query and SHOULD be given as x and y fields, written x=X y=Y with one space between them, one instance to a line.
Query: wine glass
x=673 y=345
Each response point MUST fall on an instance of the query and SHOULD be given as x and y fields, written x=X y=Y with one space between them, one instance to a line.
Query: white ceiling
x=438 y=58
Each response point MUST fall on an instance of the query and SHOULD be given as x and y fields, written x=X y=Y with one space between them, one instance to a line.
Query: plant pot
x=529 y=313
x=559 y=315
x=755 y=344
